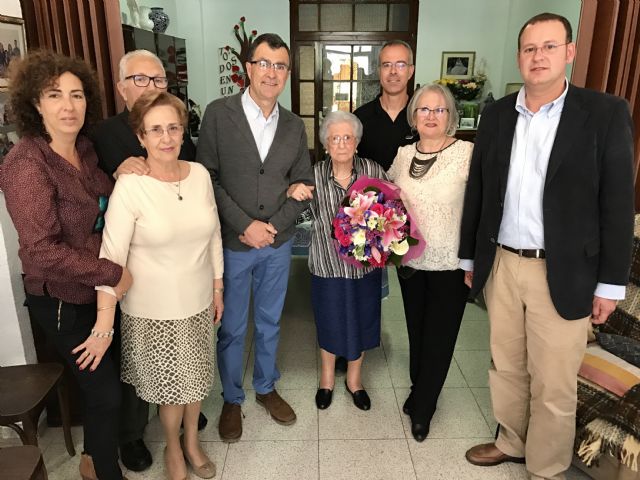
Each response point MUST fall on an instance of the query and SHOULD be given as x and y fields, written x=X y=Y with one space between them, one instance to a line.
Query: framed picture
x=457 y=65
x=467 y=123
x=12 y=44
x=512 y=87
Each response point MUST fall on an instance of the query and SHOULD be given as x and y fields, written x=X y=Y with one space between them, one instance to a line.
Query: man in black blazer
x=547 y=231
x=120 y=152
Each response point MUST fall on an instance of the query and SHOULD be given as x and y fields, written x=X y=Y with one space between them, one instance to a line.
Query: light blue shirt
x=522 y=225
x=263 y=129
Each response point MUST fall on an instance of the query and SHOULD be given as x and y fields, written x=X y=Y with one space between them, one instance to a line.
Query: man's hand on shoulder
x=602 y=308
x=137 y=165
x=258 y=234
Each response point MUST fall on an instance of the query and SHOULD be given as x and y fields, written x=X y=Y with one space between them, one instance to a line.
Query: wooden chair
x=22 y=463
x=23 y=393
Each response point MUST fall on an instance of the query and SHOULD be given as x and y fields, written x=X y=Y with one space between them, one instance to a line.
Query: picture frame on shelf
x=457 y=65
x=467 y=123
x=512 y=87
x=12 y=45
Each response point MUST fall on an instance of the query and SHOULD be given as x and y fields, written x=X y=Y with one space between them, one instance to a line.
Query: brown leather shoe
x=488 y=455
x=280 y=410
x=230 y=424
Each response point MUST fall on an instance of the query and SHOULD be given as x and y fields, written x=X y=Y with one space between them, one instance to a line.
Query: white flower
x=359 y=237
x=399 y=248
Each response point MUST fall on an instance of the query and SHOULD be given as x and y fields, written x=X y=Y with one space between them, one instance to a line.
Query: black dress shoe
x=202 y=421
x=419 y=431
x=323 y=398
x=135 y=455
x=360 y=398
x=341 y=365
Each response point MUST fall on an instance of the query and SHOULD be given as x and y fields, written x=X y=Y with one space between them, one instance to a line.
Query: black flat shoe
x=202 y=421
x=419 y=431
x=360 y=398
x=135 y=456
x=323 y=398
x=406 y=409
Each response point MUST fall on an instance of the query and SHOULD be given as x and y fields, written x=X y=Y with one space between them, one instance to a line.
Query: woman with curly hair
x=56 y=196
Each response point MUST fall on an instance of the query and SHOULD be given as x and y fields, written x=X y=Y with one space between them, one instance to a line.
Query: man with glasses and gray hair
x=547 y=231
x=120 y=152
x=255 y=149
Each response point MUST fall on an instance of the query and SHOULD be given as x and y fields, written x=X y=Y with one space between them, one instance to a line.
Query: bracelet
x=107 y=308
x=96 y=334
x=218 y=290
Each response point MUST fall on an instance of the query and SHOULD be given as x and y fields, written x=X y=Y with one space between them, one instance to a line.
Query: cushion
x=626 y=348
x=608 y=371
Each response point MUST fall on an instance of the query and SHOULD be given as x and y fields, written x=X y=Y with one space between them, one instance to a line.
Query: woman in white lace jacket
x=432 y=174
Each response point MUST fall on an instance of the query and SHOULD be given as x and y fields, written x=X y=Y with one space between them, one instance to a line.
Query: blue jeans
x=267 y=271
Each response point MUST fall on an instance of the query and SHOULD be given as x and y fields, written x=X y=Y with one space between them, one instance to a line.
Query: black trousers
x=134 y=412
x=101 y=388
x=434 y=303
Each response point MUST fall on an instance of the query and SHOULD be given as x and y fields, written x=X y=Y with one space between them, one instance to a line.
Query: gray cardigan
x=247 y=189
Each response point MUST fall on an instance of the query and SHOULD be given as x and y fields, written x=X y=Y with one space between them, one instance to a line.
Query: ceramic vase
x=145 y=21
x=160 y=19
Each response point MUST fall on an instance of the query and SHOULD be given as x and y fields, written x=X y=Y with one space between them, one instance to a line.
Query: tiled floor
x=343 y=442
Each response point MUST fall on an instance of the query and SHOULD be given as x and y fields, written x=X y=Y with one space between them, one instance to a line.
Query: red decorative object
x=239 y=76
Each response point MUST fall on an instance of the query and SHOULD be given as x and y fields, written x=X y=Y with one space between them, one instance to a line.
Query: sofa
x=607 y=443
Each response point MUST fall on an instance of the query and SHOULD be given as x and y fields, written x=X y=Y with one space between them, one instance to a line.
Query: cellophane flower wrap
x=373 y=226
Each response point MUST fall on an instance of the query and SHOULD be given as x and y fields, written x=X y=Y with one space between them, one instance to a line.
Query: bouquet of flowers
x=464 y=89
x=373 y=226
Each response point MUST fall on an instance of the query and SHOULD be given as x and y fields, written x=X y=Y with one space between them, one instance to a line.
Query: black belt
x=526 y=253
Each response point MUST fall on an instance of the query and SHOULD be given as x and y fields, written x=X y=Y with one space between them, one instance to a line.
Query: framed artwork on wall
x=12 y=45
x=512 y=87
x=457 y=65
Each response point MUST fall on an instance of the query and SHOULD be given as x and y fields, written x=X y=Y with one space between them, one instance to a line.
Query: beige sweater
x=172 y=247
x=436 y=200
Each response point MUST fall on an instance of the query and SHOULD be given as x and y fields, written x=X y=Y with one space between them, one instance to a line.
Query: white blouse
x=172 y=247
x=436 y=201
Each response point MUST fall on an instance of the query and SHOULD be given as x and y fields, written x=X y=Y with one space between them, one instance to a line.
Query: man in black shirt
x=385 y=118
x=119 y=152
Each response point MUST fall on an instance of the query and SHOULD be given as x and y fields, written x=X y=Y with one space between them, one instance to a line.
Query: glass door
x=345 y=77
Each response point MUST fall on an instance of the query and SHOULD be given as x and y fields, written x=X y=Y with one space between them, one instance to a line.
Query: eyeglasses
x=143 y=81
x=347 y=139
x=158 y=131
x=266 y=65
x=425 y=111
x=399 y=65
x=547 y=49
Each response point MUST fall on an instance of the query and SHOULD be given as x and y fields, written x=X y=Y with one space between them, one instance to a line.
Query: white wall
x=520 y=12
x=16 y=340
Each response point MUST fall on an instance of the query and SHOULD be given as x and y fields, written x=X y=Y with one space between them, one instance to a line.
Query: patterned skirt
x=169 y=362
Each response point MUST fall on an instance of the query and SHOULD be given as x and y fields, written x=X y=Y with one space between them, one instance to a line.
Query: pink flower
x=391 y=225
x=377 y=208
x=361 y=203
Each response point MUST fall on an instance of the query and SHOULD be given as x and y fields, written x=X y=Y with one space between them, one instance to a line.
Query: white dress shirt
x=263 y=129
x=522 y=225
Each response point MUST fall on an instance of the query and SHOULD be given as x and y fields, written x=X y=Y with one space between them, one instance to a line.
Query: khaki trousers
x=536 y=356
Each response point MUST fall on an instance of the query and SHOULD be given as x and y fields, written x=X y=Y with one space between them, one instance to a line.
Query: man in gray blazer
x=254 y=150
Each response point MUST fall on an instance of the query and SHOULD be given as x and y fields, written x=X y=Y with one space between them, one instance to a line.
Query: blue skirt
x=347 y=313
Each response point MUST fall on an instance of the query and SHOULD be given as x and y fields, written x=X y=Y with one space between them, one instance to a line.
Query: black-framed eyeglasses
x=425 y=111
x=266 y=65
x=144 y=80
x=547 y=49
x=399 y=65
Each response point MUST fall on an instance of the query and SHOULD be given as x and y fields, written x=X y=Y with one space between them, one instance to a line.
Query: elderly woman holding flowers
x=432 y=174
x=345 y=298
